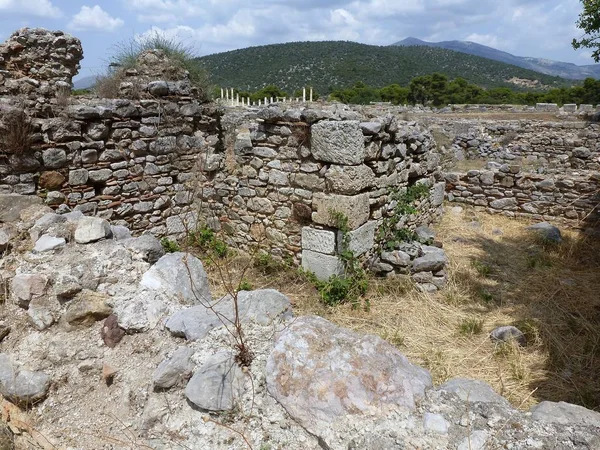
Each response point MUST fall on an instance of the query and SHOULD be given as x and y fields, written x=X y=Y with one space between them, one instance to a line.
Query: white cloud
x=36 y=8
x=484 y=39
x=94 y=18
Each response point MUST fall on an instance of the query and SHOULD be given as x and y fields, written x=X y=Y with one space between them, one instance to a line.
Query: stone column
x=221 y=93
x=227 y=94
x=237 y=100
x=304 y=95
x=311 y=94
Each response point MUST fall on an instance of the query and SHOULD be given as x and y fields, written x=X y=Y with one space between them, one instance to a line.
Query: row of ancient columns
x=232 y=99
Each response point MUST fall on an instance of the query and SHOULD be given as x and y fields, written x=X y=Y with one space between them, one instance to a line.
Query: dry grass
x=16 y=134
x=499 y=274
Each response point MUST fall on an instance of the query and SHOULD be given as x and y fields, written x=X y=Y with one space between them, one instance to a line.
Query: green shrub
x=245 y=285
x=169 y=246
x=470 y=326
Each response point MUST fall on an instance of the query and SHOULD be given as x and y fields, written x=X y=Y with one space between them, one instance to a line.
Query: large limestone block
x=338 y=142
x=349 y=180
x=361 y=240
x=321 y=241
x=325 y=376
x=356 y=208
x=323 y=266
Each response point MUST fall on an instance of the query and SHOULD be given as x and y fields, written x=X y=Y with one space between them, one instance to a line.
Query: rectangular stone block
x=356 y=208
x=340 y=142
x=321 y=241
x=360 y=240
x=570 y=107
x=323 y=266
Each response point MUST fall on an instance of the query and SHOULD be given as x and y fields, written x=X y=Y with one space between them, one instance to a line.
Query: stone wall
x=37 y=62
x=553 y=146
x=508 y=190
x=288 y=170
x=123 y=160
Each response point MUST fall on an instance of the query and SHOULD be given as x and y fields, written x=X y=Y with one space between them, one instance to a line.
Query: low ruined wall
x=127 y=161
x=287 y=171
x=550 y=146
x=515 y=193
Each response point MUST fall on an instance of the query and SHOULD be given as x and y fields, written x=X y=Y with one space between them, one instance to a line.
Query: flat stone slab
x=217 y=384
x=48 y=243
x=322 y=373
x=565 y=414
x=320 y=241
x=263 y=307
x=181 y=275
x=92 y=229
x=11 y=205
x=175 y=369
x=472 y=391
x=323 y=266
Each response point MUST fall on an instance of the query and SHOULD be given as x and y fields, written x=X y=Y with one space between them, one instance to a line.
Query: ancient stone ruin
x=116 y=344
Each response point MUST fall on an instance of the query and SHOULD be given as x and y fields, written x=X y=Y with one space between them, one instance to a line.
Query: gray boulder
x=217 y=384
x=430 y=262
x=425 y=233
x=120 y=233
x=20 y=386
x=565 y=414
x=507 y=334
x=175 y=369
x=92 y=229
x=4 y=239
x=473 y=391
x=180 y=275
x=396 y=258
x=147 y=247
x=322 y=374
x=262 y=307
x=11 y=205
x=547 y=231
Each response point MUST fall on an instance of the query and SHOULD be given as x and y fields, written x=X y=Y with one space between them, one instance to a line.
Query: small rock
x=26 y=286
x=147 y=246
x=120 y=233
x=476 y=441
x=4 y=331
x=181 y=275
x=4 y=240
x=48 y=243
x=111 y=332
x=396 y=258
x=88 y=308
x=507 y=334
x=430 y=262
x=92 y=229
x=22 y=387
x=217 y=384
x=472 y=391
x=547 y=231
x=171 y=371
x=425 y=234
x=435 y=423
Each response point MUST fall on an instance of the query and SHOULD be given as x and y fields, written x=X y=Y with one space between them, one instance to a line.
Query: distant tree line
x=437 y=90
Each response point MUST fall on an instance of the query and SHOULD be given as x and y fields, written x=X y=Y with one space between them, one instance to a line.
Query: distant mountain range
x=330 y=65
x=85 y=82
x=546 y=66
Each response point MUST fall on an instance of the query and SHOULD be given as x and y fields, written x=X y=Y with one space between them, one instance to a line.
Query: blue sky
x=539 y=28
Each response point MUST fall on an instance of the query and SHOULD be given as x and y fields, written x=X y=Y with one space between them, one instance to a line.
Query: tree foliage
x=589 y=23
x=437 y=90
x=329 y=66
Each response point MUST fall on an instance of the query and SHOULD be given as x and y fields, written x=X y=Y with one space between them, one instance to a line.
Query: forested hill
x=334 y=64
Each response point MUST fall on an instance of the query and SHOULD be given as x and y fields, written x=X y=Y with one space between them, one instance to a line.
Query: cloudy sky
x=540 y=28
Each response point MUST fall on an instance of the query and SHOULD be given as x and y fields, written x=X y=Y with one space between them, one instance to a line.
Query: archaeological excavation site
x=184 y=273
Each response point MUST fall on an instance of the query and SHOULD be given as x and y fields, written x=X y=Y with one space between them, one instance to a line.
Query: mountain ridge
x=543 y=65
x=329 y=65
